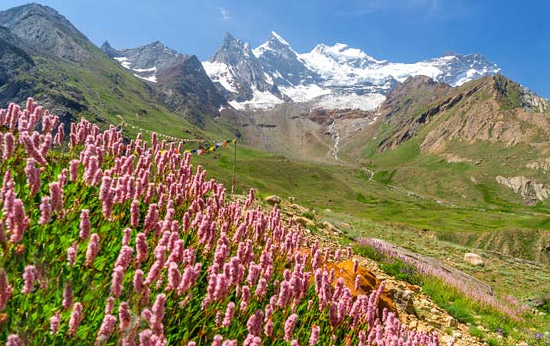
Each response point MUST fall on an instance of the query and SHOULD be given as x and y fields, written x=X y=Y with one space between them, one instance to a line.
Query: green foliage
x=474 y=331
x=493 y=342
x=384 y=177
x=401 y=270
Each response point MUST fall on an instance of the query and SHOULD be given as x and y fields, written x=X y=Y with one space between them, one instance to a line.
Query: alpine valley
x=443 y=157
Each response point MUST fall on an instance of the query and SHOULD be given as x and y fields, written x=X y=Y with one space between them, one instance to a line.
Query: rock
x=447 y=339
x=413 y=324
x=473 y=259
x=403 y=299
x=273 y=199
x=303 y=221
x=451 y=322
x=522 y=343
x=298 y=208
x=346 y=225
x=457 y=335
x=526 y=187
x=331 y=228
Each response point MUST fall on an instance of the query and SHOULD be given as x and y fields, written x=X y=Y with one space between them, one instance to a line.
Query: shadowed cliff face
x=13 y=61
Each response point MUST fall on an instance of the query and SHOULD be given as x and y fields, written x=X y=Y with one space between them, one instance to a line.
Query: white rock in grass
x=474 y=259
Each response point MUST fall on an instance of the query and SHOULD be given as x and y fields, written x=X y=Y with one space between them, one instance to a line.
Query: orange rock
x=367 y=283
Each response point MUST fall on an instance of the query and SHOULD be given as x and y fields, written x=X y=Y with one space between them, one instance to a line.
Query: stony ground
x=414 y=308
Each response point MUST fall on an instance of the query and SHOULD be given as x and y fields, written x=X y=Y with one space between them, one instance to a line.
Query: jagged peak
x=106 y=45
x=279 y=38
x=34 y=6
x=275 y=43
x=229 y=39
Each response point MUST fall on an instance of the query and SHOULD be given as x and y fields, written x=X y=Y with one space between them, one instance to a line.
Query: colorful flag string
x=199 y=151
x=204 y=150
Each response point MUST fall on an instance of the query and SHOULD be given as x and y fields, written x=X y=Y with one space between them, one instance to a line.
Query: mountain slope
x=482 y=143
x=178 y=79
x=45 y=56
x=13 y=61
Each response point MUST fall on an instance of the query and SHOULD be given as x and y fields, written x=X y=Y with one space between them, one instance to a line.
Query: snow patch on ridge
x=304 y=93
x=220 y=72
x=368 y=102
x=148 y=74
x=261 y=100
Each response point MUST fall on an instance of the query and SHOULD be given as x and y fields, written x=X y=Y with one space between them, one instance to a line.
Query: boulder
x=273 y=199
x=473 y=259
x=403 y=299
x=450 y=321
x=304 y=221
x=331 y=228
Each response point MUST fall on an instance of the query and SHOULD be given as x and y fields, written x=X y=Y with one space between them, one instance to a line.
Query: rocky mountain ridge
x=178 y=79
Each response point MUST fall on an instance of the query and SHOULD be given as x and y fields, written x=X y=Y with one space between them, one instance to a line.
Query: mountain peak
x=229 y=39
x=47 y=32
x=276 y=36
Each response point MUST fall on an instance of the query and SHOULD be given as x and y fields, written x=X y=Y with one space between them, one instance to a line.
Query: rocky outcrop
x=526 y=187
x=438 y=266
x=543 y=165
x=273 y=199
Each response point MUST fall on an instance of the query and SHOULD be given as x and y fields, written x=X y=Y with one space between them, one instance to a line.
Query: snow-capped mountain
x=335 y=76
x=145 y=61
x=281 y=62
x=239 y=74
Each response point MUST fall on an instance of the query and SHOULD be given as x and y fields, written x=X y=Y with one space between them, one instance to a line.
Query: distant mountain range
x=331 y=77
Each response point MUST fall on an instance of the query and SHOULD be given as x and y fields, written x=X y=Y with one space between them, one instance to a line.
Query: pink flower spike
x=75 y=319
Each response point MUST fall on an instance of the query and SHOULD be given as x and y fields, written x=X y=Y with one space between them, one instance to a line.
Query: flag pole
x=234 y=167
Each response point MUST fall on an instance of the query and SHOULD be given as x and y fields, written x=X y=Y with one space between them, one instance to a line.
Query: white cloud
x=224 y=13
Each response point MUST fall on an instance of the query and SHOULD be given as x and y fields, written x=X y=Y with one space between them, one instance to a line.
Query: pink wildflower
x=33 y=176
x=46 y=210
x=116 y=283
x=55 y=321
x=67 y=296
x=75 y=319
x=314 y=337
x=93 y=249
x=85 y=224
x=124 y=316
x=29 y=276
x=290 y=323
x=107 y=327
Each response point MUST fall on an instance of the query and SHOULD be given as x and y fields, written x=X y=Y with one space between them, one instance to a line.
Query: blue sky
x=514 y=34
